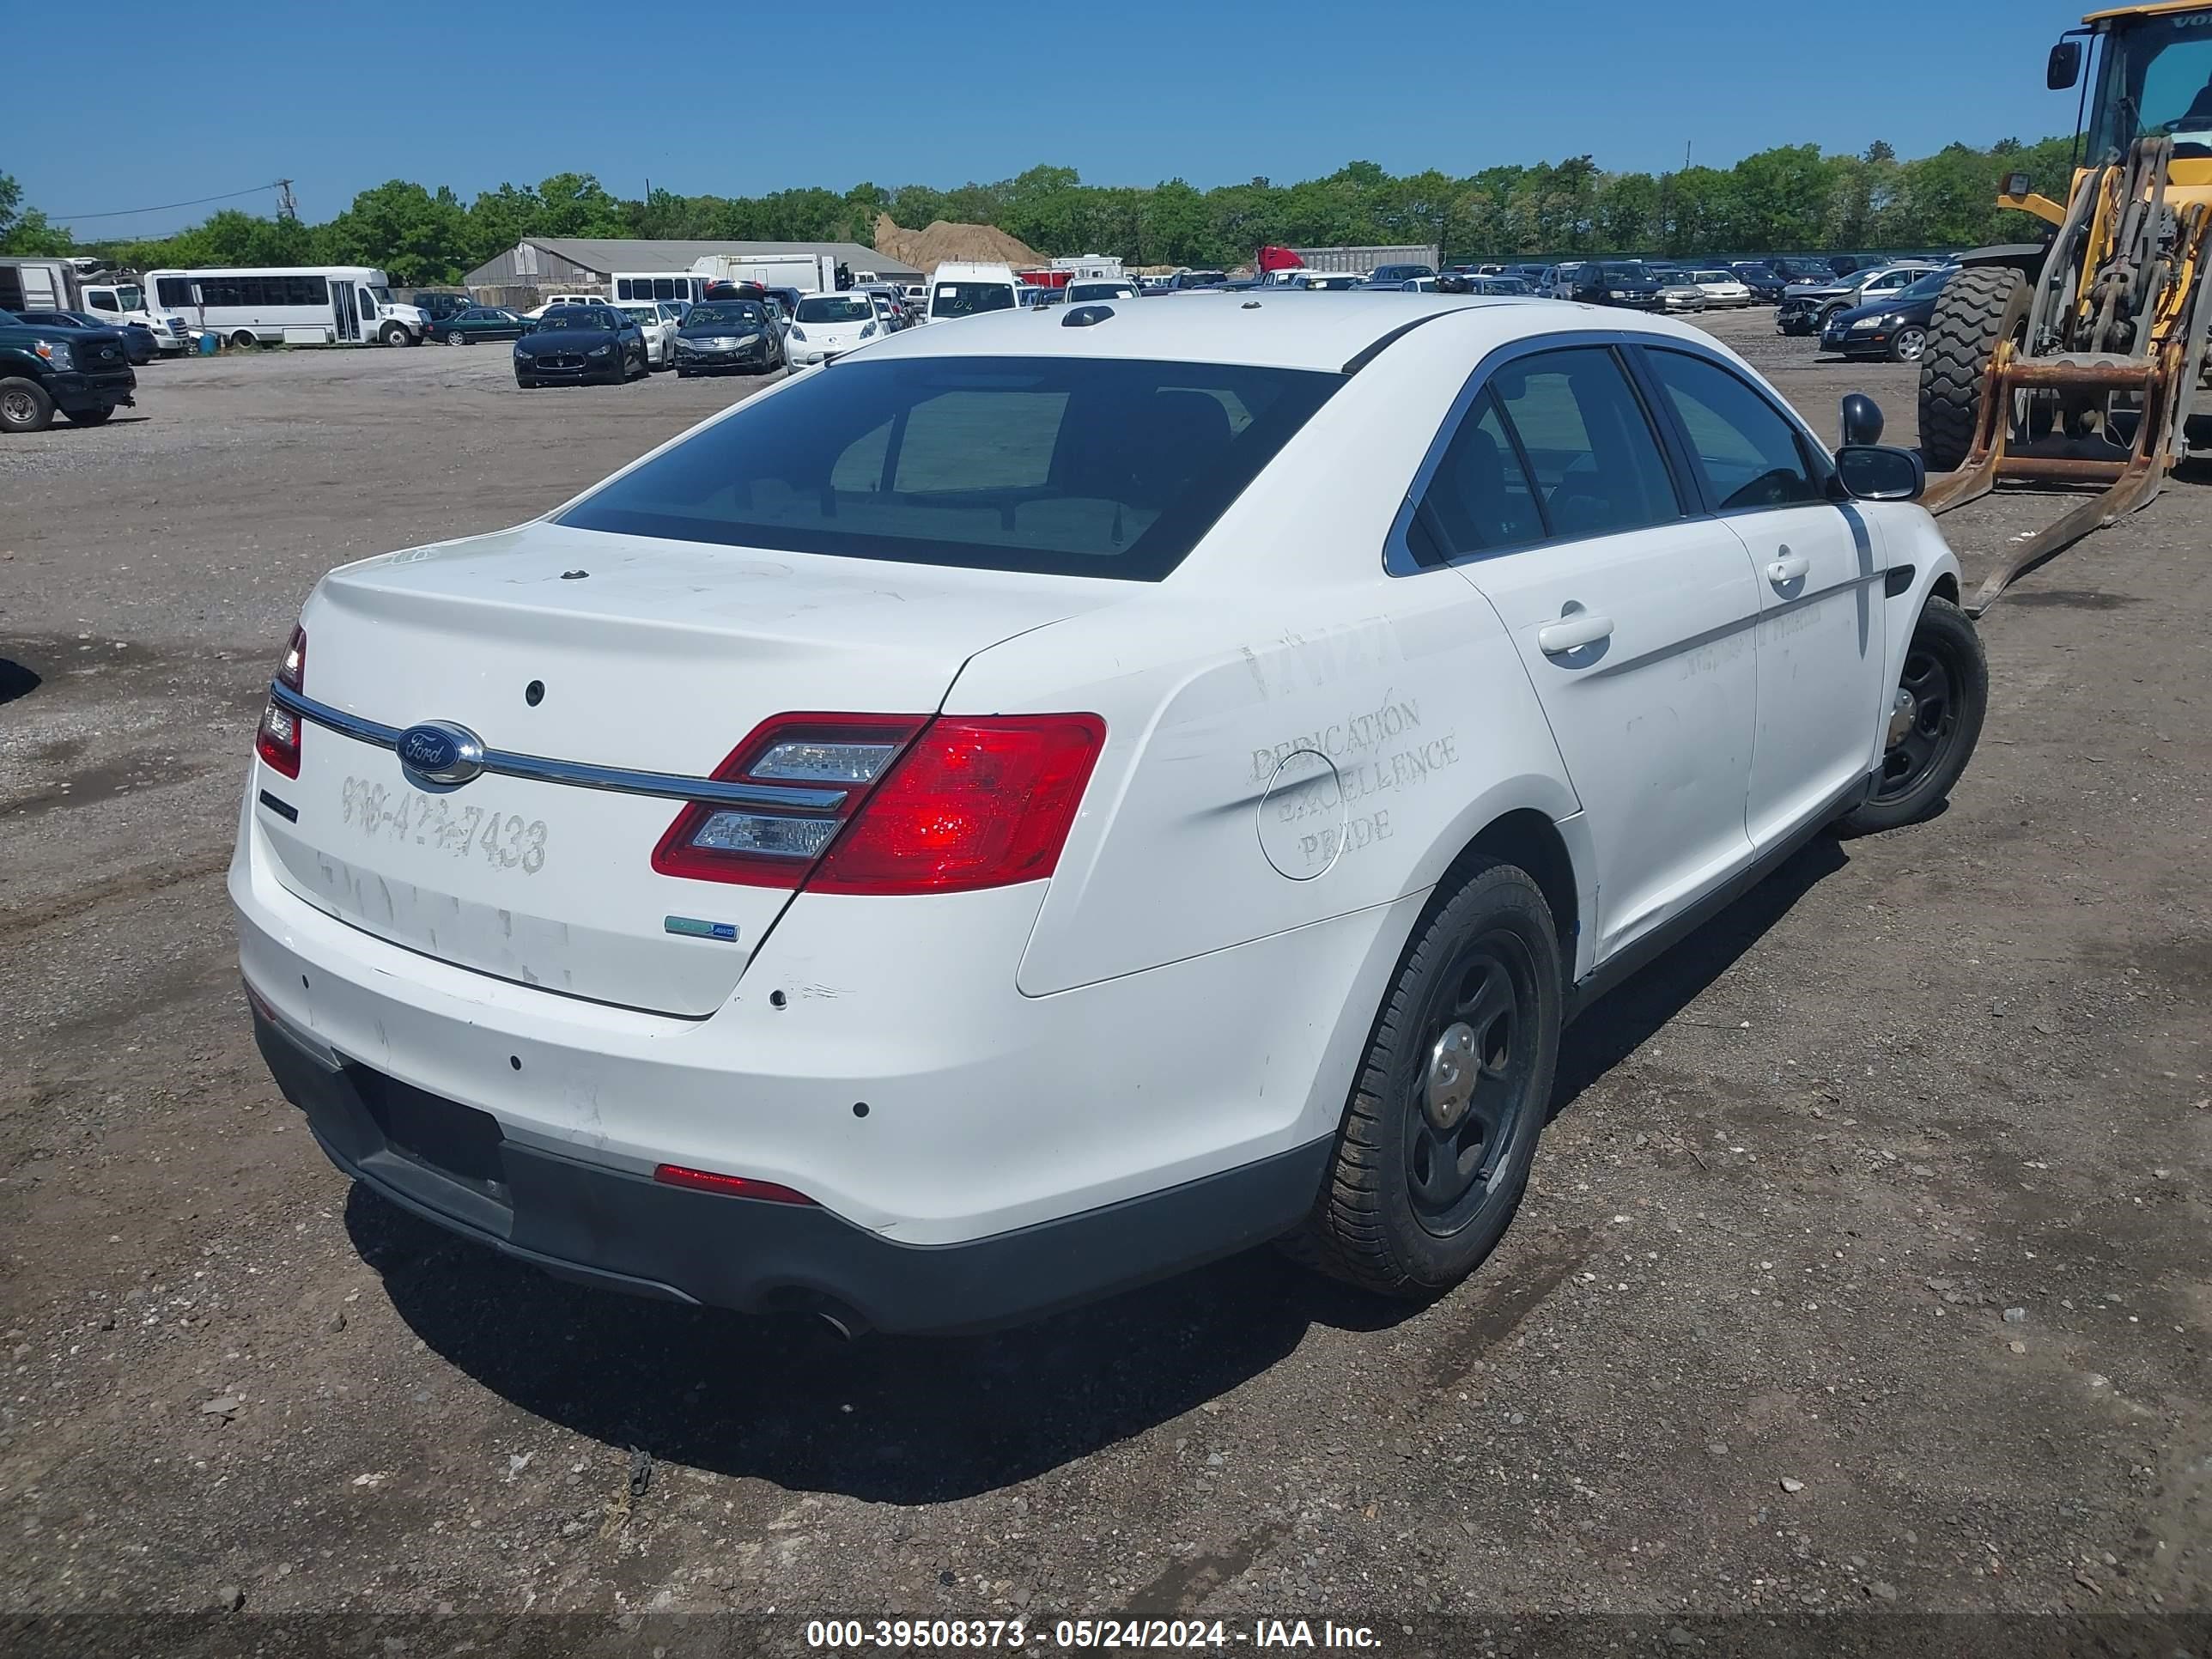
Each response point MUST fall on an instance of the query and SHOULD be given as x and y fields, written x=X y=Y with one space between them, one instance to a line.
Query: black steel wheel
x=1935 y=720
x=1470 y=1102
x=1441 y=1127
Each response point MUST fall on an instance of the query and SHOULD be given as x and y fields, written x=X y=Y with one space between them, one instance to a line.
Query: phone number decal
x=380 y=813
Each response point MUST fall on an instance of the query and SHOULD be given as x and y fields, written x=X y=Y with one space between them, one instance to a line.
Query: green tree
x=415 y=236
x=27 y=230
x=577 y=205
x=1778 y=199
x=1172 y=227
x=1627 y=211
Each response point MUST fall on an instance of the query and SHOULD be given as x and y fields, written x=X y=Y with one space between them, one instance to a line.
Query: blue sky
x=1128 y=92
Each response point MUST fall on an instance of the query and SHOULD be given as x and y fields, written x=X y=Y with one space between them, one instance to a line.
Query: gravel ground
x=1864 y=1270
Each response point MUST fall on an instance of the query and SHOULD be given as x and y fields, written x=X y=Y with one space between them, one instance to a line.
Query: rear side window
x=1069 y=466
x=1751 y=456
x=1479 y=497
x=1595 y=463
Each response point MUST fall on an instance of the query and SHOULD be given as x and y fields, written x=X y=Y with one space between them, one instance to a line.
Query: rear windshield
x=965 y=299
x=1070 y=466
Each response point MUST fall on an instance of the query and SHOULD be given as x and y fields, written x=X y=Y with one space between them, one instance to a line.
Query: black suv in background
x=1617 y=282
x=438 y=307
x=84 y=373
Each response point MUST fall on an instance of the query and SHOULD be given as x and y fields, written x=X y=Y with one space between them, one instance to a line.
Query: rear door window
x=1593 y=457
x=1750 y=456
x=1480 y=498
x=1065 y=466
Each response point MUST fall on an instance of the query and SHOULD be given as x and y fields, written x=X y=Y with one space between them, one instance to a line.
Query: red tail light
x=278 y=742
x=939 y=807
x=973 y=802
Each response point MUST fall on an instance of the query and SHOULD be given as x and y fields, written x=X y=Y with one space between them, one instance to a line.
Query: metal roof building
x=561 y=261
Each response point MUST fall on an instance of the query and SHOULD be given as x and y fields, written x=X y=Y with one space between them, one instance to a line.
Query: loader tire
x=1979 y=307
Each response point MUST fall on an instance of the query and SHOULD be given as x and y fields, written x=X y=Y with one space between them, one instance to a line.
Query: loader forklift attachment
x=2092 y=385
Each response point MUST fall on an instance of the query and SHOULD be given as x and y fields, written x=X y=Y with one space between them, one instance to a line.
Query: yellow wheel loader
x=2080 y=361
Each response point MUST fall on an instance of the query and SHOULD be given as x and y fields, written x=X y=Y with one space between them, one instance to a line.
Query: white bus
x=298 y=305
x=643 y=287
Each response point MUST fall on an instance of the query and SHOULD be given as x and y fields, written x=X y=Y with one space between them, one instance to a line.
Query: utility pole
x=286 y=207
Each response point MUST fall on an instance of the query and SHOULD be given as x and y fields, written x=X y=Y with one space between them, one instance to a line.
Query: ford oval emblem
x=439 y=751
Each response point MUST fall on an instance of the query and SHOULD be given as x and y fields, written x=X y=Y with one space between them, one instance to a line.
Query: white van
x=957 y=288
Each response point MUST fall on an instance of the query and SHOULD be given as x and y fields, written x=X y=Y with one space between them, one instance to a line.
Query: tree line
x=1792 y=198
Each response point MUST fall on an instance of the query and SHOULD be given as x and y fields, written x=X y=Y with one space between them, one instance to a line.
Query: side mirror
x=1876 y=473
x=2017 y=184
x=1861 y=420
x=2064 y=68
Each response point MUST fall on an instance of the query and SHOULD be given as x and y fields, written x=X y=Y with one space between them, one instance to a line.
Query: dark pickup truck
x=85 y=373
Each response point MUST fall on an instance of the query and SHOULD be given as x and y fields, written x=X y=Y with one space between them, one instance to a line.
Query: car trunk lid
x=609 y=652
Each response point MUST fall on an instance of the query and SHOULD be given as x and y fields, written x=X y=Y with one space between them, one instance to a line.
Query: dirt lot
x=1865 y=1267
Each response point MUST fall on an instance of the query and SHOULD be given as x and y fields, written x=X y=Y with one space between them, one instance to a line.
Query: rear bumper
x=625 y=1232
x=921 y=1110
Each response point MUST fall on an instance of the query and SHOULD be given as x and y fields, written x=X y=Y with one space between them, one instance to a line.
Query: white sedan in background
x=828 y=325
x=1028 y=809
x=1722 y=287
x=659 y=324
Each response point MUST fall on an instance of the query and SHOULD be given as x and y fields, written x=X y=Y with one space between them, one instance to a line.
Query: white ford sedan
x=1041 y=804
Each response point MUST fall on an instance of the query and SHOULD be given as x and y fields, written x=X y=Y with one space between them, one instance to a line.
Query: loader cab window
x=2156 y=78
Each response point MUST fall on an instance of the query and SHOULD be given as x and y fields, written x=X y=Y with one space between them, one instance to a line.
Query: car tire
x=244 y=340
x=455 y=338
x=1429 y=1166
x=1931 y=736
x=1979 y=306
x=1908 y=344
x=24 y=406
x=98 y=417
x=391 y=334
x=682 y=374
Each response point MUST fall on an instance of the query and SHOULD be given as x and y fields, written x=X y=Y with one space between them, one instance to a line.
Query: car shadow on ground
x=1625 y=1019
x=917 y=1421
x=904 y=1420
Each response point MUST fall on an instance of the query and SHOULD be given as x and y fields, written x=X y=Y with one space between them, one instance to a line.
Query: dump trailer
x=2079 y=361
x=1361 y=260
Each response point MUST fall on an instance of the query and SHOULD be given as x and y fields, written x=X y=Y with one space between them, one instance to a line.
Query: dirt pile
x=928 y=249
